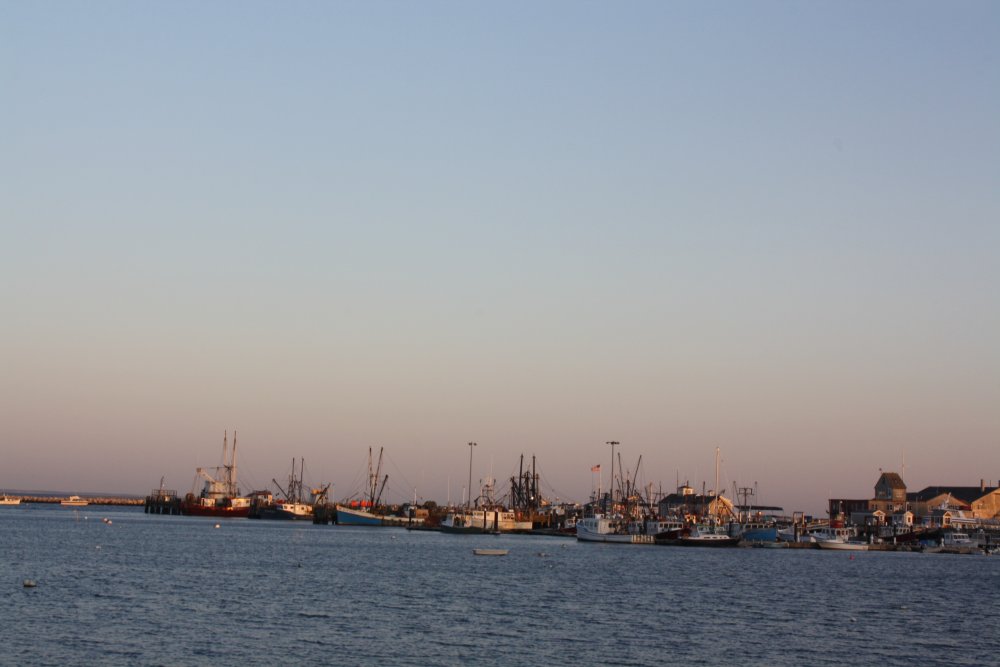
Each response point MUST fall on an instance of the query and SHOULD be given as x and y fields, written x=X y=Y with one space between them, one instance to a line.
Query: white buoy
x=218 y=526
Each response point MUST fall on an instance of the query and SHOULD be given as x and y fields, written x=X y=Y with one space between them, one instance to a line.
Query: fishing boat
x=696 y=536
x=484 y=520
x=622 y=515
x=793 y=534
x=755 y=532
x=602 y=528
x=842 y=545
x=74 y=501
x=954 y=542
x=291 y=507
x=9 y=500
x=706 y=537
x=369 y=510
x=838 y=539
x=220 y=495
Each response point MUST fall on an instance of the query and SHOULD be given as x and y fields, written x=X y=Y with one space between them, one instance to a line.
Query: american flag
x=596 y=468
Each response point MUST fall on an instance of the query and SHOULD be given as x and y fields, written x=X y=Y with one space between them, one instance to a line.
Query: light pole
x=612 y=484
x=469 y=502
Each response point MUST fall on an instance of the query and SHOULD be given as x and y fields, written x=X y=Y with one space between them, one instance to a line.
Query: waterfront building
x=976 y=502
x=890 y=494
x=933 y=506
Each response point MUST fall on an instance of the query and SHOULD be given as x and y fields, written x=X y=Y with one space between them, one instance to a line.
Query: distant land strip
x=109 y=500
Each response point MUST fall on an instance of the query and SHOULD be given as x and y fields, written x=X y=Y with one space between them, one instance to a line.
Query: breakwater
x=91 y=500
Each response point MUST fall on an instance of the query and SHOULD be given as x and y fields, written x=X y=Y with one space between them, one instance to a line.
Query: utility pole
x=469 y=502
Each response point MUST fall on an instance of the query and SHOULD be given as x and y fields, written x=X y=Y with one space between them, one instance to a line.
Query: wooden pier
x=162 y=501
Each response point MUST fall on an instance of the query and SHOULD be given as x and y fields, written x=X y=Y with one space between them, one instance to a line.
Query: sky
x=769 y=228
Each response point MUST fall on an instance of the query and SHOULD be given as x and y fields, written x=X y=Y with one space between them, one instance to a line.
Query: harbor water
x=119 y=587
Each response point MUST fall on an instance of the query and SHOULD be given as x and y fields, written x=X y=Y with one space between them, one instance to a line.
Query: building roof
x=892 y=479
x=967 y=494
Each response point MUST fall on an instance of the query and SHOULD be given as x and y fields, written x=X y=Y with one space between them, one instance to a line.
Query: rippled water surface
x=156 y=590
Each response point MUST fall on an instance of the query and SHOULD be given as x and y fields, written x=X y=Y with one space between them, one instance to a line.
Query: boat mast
x=718 y=511
x=534 y=486
x=371 y=478
x=233 y=492
x=468 y=502
x=612 y=485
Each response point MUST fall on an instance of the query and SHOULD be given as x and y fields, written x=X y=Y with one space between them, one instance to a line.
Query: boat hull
x=769 y=534
x=280 y=513
x=602 y=529
x=703 y=542
x=189 y=509
x=347 y=516
x=484 y=521
x=615 y=538
x=717 y=542
x=842 y=546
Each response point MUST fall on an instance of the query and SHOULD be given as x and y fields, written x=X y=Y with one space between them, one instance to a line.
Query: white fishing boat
x=701 y=536
x=8 y=500
x=842 y=545
x=839 y=539
x=954 y=542
x=484 y=520
x=601 y=528
x=625 y=516
x=74 y=501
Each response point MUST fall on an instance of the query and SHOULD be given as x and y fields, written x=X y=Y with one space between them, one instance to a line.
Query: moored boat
x=696 y=536
x=9 y=500
x=842 y=545
x=839 y=539
x=263 y=504
x=484 y=520
x=357 y=516
x=955 y=542
x=74 y=501
x=220 y=495
x=369 y=510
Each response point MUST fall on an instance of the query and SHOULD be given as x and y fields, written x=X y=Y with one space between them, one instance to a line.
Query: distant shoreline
x=91 y=500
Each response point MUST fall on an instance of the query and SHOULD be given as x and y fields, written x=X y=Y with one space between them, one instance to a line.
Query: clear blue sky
x=767 y=227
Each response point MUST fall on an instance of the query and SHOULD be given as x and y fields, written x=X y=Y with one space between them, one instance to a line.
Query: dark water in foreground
x=152 y=590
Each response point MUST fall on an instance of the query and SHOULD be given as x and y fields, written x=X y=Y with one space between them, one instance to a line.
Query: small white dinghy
x=490 y=552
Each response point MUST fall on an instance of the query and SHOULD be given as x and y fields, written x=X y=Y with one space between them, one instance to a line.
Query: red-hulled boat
x=220 y=496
